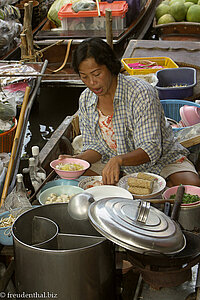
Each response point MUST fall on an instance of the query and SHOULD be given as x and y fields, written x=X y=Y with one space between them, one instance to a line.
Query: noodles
x=69 y=167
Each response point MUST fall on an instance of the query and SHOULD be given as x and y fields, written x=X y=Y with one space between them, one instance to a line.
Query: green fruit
x=165 y=19
x=161 y=10
x=194 y=1
x=178 y=11
x=175 y=1
x=165 y=2
x=193 y=13
x=188 y=4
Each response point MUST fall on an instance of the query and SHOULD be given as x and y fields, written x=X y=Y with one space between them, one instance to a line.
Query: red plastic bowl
x=70 y=174
x=189 y=189
x=190 y=115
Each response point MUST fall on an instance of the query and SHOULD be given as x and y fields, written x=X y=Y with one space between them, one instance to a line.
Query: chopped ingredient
x=54 y=198
x=69 y=167
x=94 y=183
x=5 y=222
x=187 y=198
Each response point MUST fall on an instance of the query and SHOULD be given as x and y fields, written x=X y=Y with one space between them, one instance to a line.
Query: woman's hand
x=110 y=173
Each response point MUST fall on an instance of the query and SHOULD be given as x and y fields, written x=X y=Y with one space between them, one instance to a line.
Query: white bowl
x=108 y=191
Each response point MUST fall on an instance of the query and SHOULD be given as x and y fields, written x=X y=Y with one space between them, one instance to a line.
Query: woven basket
x=7 y=138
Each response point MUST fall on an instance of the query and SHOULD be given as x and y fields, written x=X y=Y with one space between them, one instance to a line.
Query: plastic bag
x=5 y=158
x=7 y=108
x=83 y=5
x=54 y=9
x=150 y=78
x=9 y=30
x=9 y=12
x=16 y=68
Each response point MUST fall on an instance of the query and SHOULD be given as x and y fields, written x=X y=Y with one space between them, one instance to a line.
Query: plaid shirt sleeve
x=88 y=120
x=147 y=116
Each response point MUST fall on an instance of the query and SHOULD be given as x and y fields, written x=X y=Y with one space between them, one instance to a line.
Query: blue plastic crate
x=176 y=83
x=172 y=109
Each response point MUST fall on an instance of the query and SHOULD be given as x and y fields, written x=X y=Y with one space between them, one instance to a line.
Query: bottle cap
x=19 y=177
x=31 y=161
x=35 y=150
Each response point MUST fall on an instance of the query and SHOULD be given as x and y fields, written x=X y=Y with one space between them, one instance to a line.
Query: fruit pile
x=169 y=11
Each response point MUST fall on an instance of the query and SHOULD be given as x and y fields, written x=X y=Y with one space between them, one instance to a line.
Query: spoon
x=78 y=206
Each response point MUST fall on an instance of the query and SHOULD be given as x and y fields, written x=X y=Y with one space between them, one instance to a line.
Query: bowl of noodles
x=69 y=168
x=6 y=221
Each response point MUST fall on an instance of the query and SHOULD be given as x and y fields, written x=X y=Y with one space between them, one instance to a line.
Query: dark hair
x=100 y=51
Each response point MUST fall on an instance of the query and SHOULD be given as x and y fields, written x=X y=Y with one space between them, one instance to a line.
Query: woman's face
x=96 y=77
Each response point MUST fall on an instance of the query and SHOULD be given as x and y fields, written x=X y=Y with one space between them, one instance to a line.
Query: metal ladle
x=79 y=204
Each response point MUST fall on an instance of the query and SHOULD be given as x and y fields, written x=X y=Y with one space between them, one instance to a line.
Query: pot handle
x=143 y=211
x=177 y=202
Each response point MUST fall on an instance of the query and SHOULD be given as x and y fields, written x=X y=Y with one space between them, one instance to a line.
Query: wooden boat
x=178 y=31
x=137 y=30
x=19 y=140
x=46 y=37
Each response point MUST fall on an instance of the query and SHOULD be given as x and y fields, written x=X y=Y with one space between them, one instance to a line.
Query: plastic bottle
x=35 y=179
x=39 y=170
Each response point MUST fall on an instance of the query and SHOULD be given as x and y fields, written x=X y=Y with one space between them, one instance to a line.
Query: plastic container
x=190 y=115
x=172 y=109
x=7 y=138
x=165 y=62
x=89 y=20
x=176 y=83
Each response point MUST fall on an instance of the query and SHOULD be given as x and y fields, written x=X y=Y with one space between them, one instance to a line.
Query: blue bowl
x=59 y=182
x=6 y=238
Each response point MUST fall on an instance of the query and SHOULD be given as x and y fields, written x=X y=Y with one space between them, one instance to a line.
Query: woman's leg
x=186 y=178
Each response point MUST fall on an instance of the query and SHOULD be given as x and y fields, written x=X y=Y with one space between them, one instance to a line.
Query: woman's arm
x=89 y=155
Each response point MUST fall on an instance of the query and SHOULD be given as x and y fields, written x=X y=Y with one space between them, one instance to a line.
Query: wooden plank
x=179 y=51
x=191 y=142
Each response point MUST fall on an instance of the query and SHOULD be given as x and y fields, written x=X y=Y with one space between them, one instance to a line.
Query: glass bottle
x=21 y=203
x=35 y=179
x=17 y=202
x=27 y=182
x=39 y=170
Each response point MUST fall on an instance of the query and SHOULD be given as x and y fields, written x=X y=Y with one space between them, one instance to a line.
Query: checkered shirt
x=138 y=122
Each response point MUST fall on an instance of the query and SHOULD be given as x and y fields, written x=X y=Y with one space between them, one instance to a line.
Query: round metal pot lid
x=136 y=226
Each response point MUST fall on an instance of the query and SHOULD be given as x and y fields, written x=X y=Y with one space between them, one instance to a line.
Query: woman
x=122 y=121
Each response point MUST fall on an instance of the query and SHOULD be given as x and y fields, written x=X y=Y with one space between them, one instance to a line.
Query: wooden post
x=28 y=10
x=23 y=46
x=109 y=34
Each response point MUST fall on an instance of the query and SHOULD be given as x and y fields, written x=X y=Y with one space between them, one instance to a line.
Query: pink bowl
x=189 y=189
x=190 y=114
x=70 y=174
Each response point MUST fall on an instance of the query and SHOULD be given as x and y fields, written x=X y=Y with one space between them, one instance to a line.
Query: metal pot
x=62 y=257
x=189 y=217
